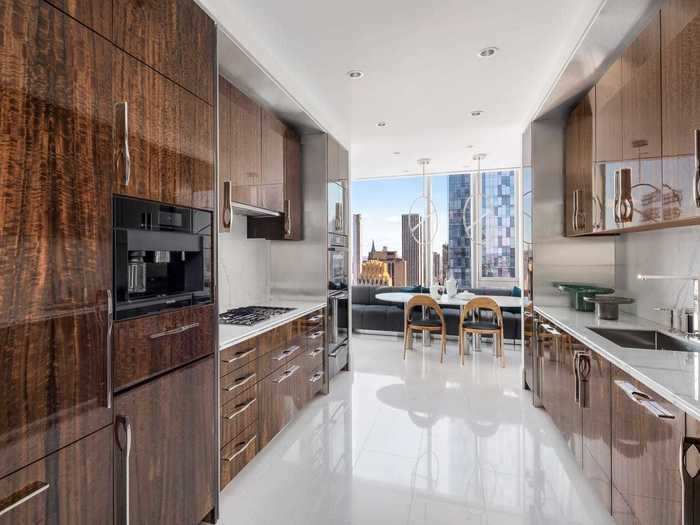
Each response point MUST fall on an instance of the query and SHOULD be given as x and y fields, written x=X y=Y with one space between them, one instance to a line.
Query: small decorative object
x=435 y=291
x=451 y=285
x=607 y=307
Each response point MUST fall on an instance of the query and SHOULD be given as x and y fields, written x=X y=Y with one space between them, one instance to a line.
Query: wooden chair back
x=423 y=300
x=482 y=303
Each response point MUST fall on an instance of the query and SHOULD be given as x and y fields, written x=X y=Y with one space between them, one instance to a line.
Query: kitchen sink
x=646 y=339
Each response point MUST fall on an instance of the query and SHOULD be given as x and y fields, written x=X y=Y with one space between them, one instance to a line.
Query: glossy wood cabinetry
x=169 y=456
x=680 y=87
x=70 y=487
x=95 y=14
x=645 y=454
x=147 y=346
x=608 y=130
x=260 y=163
x=579 y=194
x=169 y=138
x=265 y=381
x=176 y=38
x=594 y=399
x=55 y=232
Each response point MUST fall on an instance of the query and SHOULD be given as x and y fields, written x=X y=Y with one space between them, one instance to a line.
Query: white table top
x=504 y=301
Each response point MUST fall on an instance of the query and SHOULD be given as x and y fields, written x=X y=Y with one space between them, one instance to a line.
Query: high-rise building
x=437 y=274
x=445 y=260
x=395 y=265
x=498 y=252
x=356 y=246
x=460 y=251
x=410 y=250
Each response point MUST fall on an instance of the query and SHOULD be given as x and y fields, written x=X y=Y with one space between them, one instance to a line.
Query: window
x=498 y=227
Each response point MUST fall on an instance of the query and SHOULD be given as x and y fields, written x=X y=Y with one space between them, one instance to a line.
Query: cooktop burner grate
x=250 y=315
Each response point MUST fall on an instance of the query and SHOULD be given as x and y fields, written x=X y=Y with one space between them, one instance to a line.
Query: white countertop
x=232 y=334
x=672 y=375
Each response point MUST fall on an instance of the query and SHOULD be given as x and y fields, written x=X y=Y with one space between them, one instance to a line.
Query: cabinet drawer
x=238 y=454
x=238 y=414
x=234 y=357
x=70 y=487
x=271 y=361
x=314 y=322
x=146 y=346
x=274 y=339
x=238 y=381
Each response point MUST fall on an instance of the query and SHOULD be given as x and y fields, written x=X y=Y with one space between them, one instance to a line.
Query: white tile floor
x=416 y=442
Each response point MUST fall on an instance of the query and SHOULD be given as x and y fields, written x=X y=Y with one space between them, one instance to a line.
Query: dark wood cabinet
x=164 y=137
x=96 y=14
x=167 y=464
x=680 y=91
x=70 y=487
x=608 y=117
x=579 y=167
x=55 y=231
x=280 y=399
x=647 y=432
x=641 y=95
x=176 y=38
x=293 y=196
x=272 y=180
x=147 y=346
x=594 y=399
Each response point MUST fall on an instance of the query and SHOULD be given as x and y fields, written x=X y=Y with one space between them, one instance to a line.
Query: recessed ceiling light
x=355 y=74
x=397 y=153
x=477 y=113
x=488 y=52
x=469 y=146
x=381 y=124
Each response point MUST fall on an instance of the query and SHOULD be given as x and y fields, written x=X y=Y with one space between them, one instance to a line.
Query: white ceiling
x=422 y=73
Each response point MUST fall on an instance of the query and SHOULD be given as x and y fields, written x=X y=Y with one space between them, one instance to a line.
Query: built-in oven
x=162 y=257
x=338 y=311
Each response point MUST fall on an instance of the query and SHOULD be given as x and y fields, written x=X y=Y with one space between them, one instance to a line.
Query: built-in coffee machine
x=162 y=257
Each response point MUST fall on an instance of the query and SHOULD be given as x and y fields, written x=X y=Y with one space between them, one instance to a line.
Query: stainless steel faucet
x=694 y=330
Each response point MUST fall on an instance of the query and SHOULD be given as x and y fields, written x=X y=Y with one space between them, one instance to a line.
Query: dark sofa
x=370 y=313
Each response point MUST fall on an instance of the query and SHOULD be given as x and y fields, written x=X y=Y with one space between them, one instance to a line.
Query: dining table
x=460 y=300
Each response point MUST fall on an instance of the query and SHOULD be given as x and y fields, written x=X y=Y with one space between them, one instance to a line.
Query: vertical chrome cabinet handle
x=574 y=216
x=689 y=475
x=122 y=110
x=125 y=447
x=226 y=212
x=697 y=168
x=287 y=218
x=110 y=325
x=22 y=496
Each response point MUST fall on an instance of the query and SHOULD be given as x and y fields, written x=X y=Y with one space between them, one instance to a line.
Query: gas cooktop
x=250 y=315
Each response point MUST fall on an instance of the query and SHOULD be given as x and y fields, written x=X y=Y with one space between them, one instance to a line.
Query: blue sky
x=382 y=202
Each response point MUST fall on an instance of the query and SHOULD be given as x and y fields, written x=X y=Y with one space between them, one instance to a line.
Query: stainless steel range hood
x=252 y=211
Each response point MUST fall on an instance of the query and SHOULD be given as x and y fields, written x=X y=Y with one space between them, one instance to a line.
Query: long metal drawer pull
x=550 y=329
x=122 y=109
x=289 y=351
x=287 y=374
x=697 y=168
x=22 y=496
x=314 y=319
x=174 y=331
x=240 y=382
x=241 y=408
x=644 y=400
x=239 y=355
x=316 y=352
x=316 y=335
x=124 y=421
x=244 y=445
x=110 y=325
x=316 y=377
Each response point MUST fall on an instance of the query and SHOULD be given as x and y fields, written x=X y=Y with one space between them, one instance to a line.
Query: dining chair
x=474 y=325
x=424 y=323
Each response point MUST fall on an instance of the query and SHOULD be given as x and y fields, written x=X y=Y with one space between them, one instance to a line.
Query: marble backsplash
x=672 y=251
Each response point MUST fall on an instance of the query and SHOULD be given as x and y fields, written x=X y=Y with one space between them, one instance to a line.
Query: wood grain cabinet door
x=174 y=37
x=594 y=396
x=569 y=421
x=680 y=91
x=273 y=133
x=168 y=134
x=96 y=14
x=647 y=432
x=294 y=204
x=55 y=231
x=70 y=487
x=171 y=454
x=571 y=173
x=608 y=118
x=246 y=148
